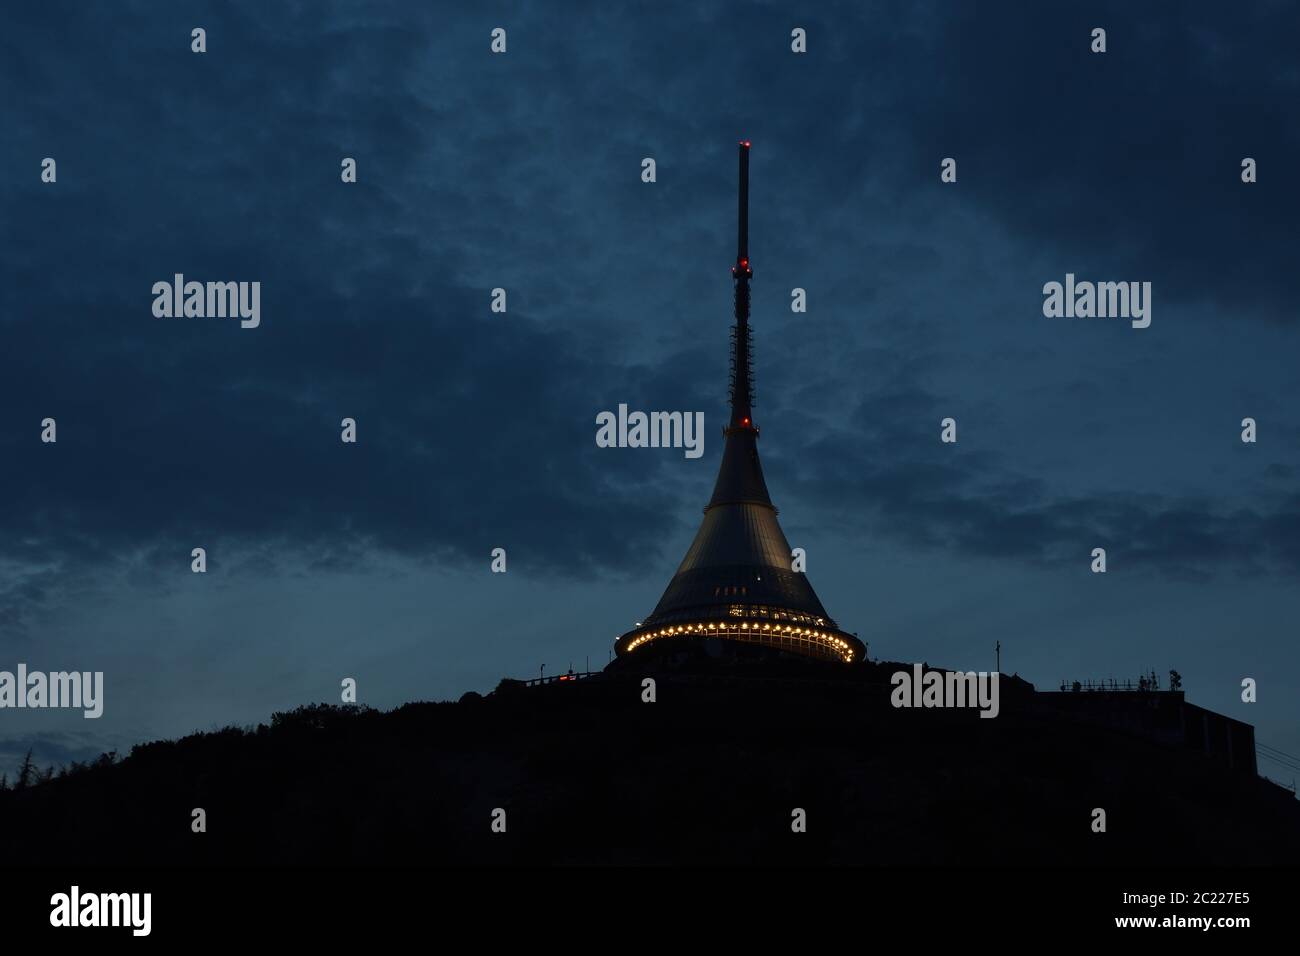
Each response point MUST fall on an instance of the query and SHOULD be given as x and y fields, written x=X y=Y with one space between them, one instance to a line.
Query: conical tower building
x=736 y=583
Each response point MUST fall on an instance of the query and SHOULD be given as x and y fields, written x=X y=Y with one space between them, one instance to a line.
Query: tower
x=736 y=583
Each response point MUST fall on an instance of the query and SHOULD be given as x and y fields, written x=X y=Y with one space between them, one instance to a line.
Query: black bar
x=233 y=904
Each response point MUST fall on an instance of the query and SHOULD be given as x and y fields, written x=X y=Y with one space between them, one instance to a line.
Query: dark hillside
x=709 y=773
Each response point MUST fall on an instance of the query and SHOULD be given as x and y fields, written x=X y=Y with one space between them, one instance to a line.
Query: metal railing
x=1145 y=683
x=560 y=678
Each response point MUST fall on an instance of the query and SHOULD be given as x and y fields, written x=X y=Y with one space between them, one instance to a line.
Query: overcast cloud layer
x=476 y=429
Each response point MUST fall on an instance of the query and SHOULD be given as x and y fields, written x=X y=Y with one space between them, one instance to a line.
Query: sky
x=476 y=429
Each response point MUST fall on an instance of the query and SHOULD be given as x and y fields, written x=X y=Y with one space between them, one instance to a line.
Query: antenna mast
x=742 y=384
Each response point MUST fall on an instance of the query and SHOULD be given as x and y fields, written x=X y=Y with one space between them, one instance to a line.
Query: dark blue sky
x=477 y=429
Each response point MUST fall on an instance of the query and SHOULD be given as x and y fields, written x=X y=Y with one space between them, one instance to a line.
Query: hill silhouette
x=709 y=773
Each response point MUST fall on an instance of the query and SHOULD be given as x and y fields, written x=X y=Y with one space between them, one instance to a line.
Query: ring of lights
x=808 y=641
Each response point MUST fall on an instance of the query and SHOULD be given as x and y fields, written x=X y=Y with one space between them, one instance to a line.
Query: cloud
x=476 y=430
x=896 y=480
x=1129 y=160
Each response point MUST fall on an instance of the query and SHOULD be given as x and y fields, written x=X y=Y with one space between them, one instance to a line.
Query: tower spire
x=740 y=477
x=742 y=385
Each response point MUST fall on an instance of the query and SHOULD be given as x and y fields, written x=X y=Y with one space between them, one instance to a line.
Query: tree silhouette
x=26 y=773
